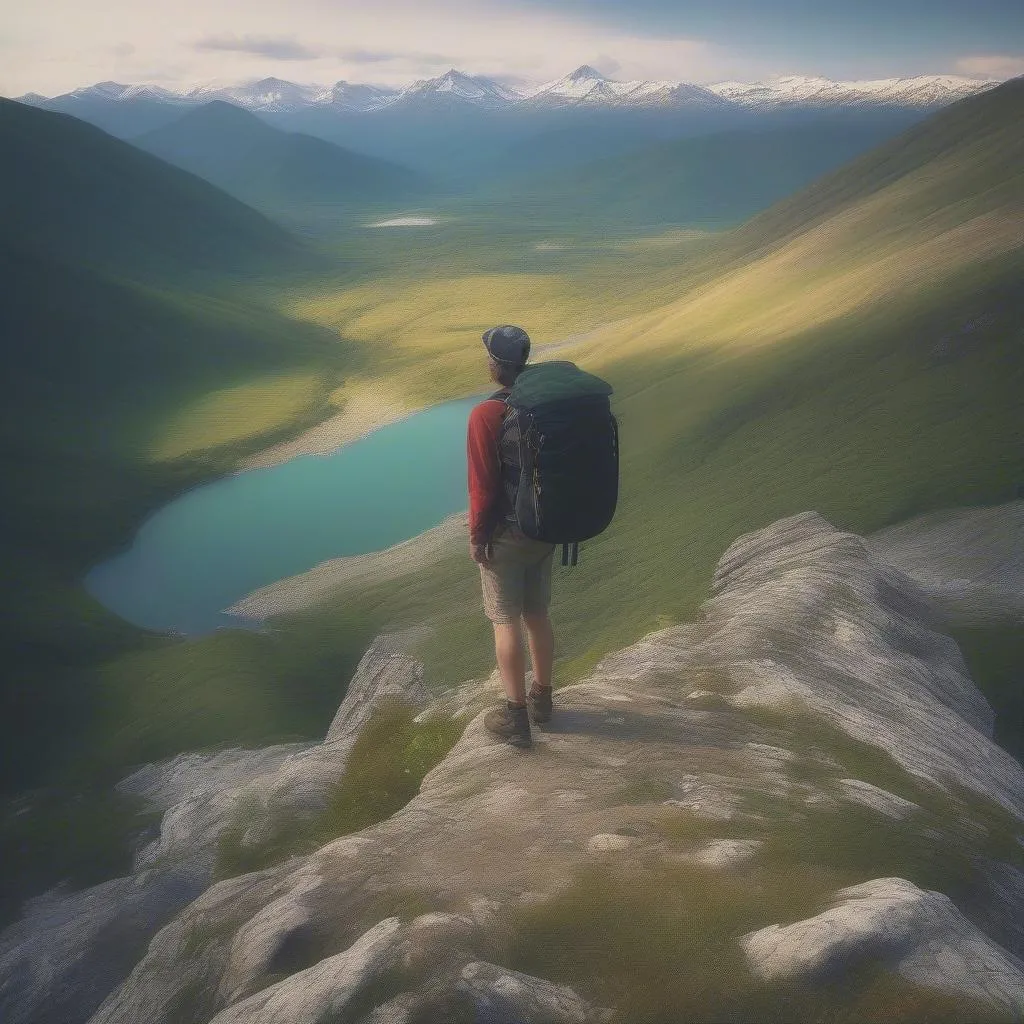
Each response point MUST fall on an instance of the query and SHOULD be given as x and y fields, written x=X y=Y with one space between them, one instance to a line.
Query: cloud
x=991 y=66
x=63 y=45
x=606 y=64
x=123 y=50
x=277 y=47
x=358 y=55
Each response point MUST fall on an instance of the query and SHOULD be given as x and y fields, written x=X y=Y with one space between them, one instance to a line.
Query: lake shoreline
x=362 y=415
x=295 y=593
x=366 y=412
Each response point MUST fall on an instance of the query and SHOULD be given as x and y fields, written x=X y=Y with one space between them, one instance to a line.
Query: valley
x=846 y=341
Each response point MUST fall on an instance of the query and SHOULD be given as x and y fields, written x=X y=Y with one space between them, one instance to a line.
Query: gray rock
x=187 y=960
x=879 y=799
x=69 y=949
x=83 y=944
x=723 y=853
x=969 y=562
x=322 y=990
x=918 y=933
x=803 y=616
x=260 y=941
x=384 y=672
x=501 y=996
x=203 y=794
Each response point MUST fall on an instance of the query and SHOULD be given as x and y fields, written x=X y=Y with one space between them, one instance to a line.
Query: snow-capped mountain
x=116 y=92
x=802 y=90
x=457 y=86
x=585 y=84
x=584 y=87
x=270 y=94
x=355 y=97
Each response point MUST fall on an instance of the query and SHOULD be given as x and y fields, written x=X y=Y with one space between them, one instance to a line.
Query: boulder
x=969 y=562
x=501 y=996
x=917 y=933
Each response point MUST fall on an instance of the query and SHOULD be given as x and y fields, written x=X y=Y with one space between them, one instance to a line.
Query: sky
x=53 y=46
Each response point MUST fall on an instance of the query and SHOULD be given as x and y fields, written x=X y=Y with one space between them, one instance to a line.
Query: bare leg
x=541 y=639
x=508 y=647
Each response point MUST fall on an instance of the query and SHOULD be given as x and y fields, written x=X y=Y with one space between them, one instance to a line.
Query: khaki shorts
x=518 y=578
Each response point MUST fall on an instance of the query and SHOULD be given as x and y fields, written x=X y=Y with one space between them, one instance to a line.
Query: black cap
x=507 y=344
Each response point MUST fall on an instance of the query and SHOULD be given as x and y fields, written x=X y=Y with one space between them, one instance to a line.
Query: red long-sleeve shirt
x=484 y=468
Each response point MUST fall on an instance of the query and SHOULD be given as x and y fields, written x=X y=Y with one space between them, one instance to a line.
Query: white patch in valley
x=403 y=222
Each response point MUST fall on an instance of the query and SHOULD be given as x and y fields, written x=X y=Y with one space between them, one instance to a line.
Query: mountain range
x=583 y=86
x=248 y=158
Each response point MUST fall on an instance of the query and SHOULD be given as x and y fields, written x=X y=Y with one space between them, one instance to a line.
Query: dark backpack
x=559 y=454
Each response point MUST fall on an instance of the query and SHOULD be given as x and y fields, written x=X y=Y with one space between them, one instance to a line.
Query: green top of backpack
x=555 y=380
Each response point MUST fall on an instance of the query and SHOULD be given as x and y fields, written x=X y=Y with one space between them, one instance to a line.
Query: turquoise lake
x=218 y=542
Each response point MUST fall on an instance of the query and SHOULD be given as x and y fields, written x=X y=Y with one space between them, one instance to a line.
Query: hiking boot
x=511 y=724
x=538 y=700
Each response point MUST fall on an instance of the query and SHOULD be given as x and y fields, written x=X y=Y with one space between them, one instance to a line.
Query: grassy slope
x=249 y=158
x=723 y=177
x=116 y=208
x=100 y=360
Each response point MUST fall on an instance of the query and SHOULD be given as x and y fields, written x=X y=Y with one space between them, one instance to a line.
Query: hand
x=482 y=553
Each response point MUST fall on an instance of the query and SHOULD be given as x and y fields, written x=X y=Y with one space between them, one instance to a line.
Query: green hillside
x=717 y=178
x=81 y=196
x=103 y=348
x=971 y=151
x=248 y=158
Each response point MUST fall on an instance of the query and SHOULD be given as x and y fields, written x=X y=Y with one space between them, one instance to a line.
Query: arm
x=484 y=468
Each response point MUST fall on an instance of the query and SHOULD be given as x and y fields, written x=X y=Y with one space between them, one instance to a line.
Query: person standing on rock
x=515 y=570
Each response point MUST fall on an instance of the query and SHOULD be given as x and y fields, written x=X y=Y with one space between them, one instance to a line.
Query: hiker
x=515 y=570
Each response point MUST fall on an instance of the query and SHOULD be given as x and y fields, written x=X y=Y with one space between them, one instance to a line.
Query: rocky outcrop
x=70 y=949
x=803 y=616
x=201 y=794
x=969 y=562
x=919 y=934
x=816 y=686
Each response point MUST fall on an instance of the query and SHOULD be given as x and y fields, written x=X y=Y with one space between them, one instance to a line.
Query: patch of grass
x=383 y=773
x=642 y=791
x=822 y=742
x=660 y=946
x=232 y=686
x=385 y=768
x=256 y=408
x=969 y=822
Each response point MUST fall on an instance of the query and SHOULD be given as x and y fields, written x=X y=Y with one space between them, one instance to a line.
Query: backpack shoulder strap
x=502 y=394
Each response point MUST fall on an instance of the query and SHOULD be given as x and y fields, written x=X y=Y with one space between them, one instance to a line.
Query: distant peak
x=223 y=113
x=273 y=83
x=584 y=72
